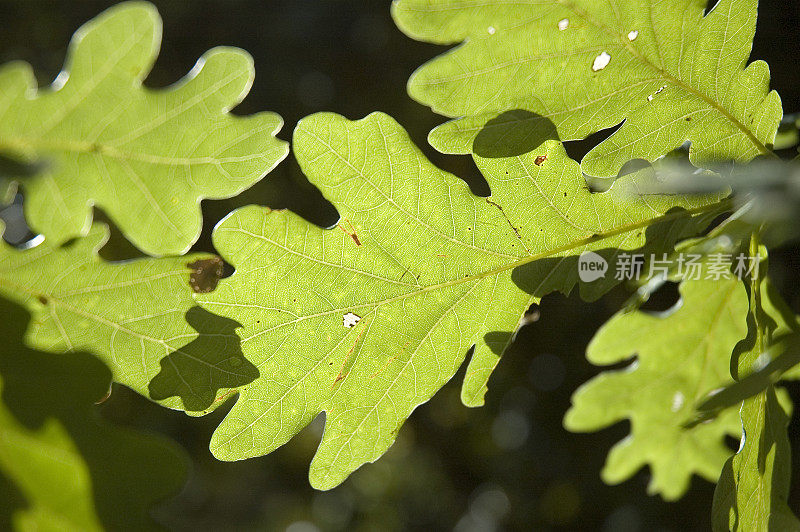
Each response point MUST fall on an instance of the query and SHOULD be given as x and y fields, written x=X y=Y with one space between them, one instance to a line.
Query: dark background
x=509 y=465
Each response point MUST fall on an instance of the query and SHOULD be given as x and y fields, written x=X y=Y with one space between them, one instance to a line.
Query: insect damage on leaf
x=205 y=274
x=382 y=327
x=601 y=61
x=588 y=67
x=351 y=320
x=351 y=232
x=130 y=314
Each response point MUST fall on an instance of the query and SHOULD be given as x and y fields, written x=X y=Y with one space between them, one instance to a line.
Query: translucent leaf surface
x=754 y=484
x=753 y=488
x=780 y=362
x=131 y=314
x=72 y=470
x=667 y=71
x=681 y=356
x=369 y=319
x=146 y=157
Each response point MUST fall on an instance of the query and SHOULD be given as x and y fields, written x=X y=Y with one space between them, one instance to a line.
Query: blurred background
x=507 y=466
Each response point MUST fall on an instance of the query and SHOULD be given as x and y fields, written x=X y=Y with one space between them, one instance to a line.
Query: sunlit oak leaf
x=680 y=356
x=753 y=488
x=145 y=156
x=130 y=314
x=660 y=67
x=367 y=320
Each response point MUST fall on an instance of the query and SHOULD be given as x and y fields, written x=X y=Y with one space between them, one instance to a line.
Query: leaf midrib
x=627 y=45
x=667 y=76
x=569 y=246
x=107 y=150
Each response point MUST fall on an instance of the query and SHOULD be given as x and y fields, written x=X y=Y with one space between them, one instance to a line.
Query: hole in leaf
x=601 y=61
x=662 y=299
x=16 y=231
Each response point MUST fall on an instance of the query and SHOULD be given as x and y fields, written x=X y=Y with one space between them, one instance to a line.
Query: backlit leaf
x=753 y=488
x=661 y=67
x=680 y=356
x=138 y=317
x=146 y=157
x=368 y=320
x=754 y=485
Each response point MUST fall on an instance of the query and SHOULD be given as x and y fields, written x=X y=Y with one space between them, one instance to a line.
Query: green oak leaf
x=781 y=361
x=71 y=469
x=146 y=157
x=138 y=317
x=661 y=68
x=367 y=320
x=681 y=356
x=753 y=487
x=754 y=484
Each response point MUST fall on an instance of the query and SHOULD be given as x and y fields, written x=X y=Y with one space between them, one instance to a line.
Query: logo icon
x=591 y=266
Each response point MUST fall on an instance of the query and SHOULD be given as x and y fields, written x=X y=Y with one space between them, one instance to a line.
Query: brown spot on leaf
x=540 y=159
x=205 y=275
x=225 y=396
x=352 y=234
x=42 y=299
x=342 y=373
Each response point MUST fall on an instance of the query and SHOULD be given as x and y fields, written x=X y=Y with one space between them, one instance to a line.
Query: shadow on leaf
x=212 y=361
x=513 y=133
x=761 y=468
x=16 y=168
x=497 y=341
x=11 y=500
x=129 y=471
x=560 y=274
